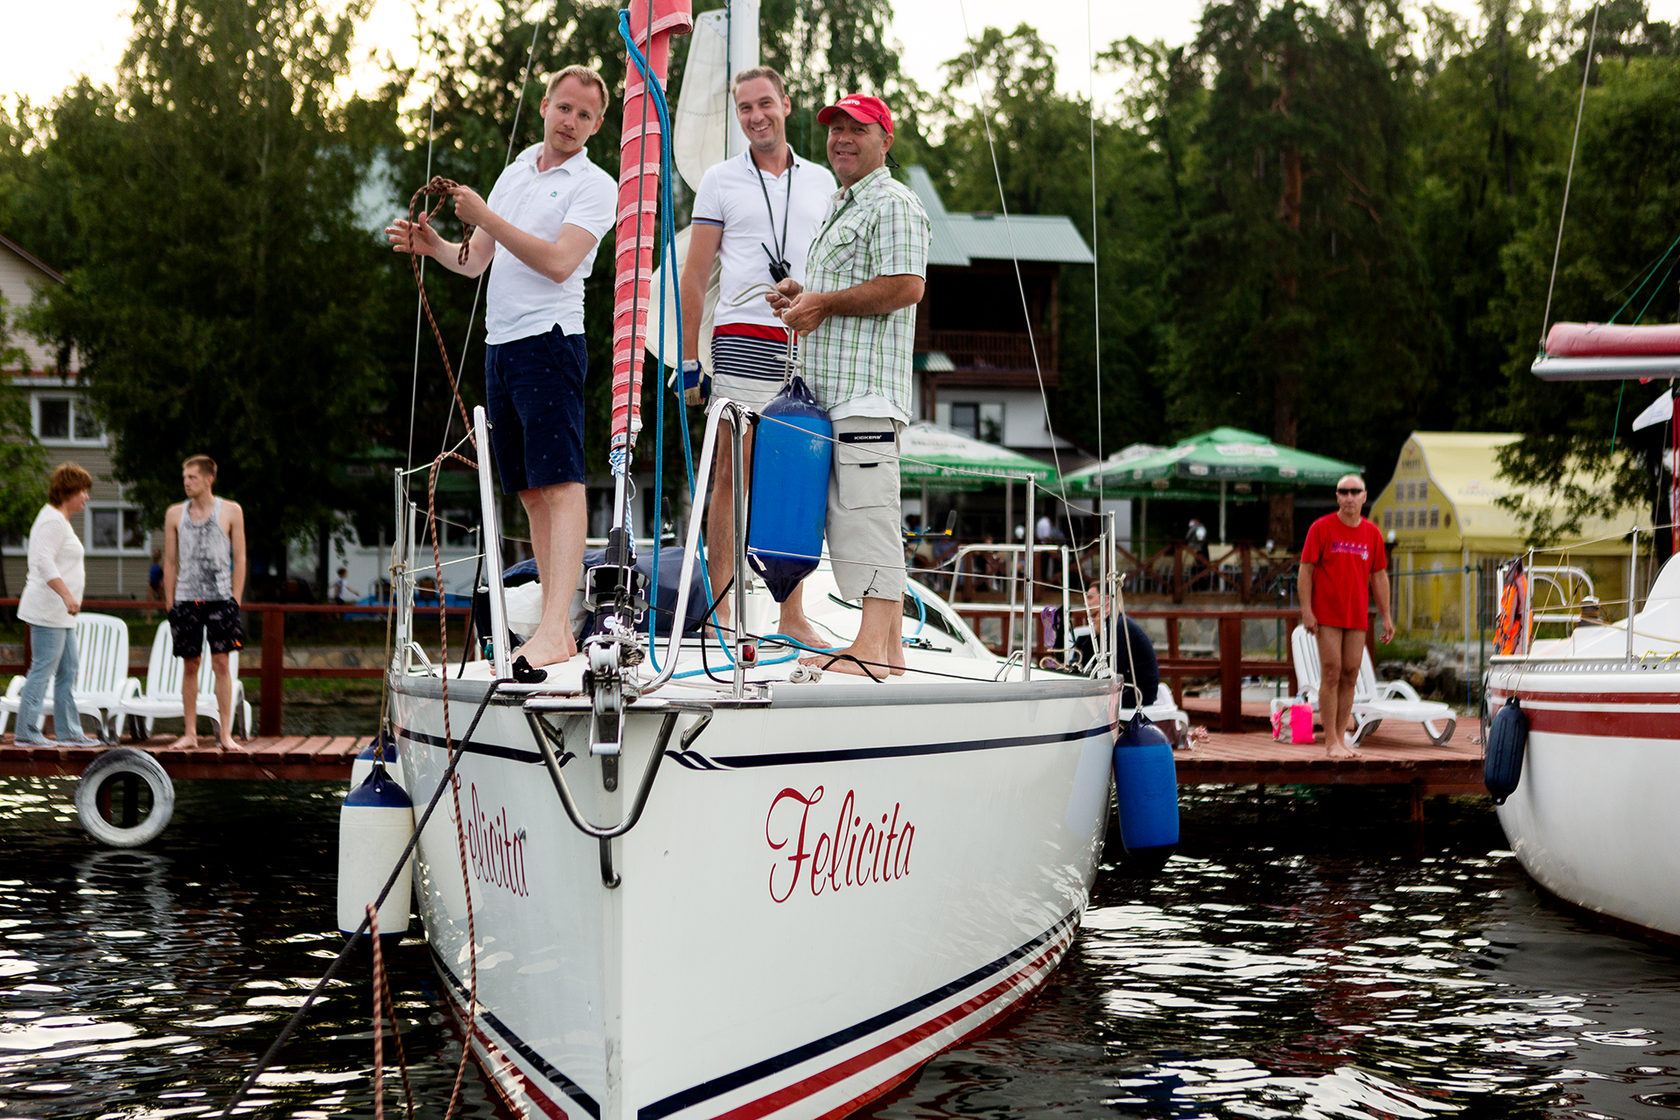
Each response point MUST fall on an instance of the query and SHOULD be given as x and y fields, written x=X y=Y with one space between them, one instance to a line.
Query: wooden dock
x=288 y=757
x=1396 y=754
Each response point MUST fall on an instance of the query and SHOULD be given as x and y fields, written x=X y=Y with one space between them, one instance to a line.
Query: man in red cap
x=865 y=273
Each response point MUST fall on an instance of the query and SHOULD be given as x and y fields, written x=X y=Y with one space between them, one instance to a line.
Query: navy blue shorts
x=534 y=397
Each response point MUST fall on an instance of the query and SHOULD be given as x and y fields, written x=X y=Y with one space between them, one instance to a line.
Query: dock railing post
x=1230 y=674
x=273 y=668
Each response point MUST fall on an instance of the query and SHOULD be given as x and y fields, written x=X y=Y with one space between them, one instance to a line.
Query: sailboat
x=1585 y=744
x=680 y=880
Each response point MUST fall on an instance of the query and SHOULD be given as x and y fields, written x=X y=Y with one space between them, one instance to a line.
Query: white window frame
x=76 y=404
x=145 y=548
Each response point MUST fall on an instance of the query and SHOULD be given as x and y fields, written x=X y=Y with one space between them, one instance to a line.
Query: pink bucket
x=1301 y=723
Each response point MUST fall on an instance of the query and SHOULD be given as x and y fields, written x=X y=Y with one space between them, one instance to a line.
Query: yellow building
x=1441 y=514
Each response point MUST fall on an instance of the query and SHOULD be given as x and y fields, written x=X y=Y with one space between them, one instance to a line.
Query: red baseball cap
x=860 y=107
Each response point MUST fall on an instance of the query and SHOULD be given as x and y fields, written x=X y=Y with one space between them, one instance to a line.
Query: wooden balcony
x=1000 y=358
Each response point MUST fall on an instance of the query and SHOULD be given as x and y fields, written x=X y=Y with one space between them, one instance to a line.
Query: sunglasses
x=1346 y=490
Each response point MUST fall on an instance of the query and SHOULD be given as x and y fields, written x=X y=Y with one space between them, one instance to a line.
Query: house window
x=66 y=420
x=114 y=529
x=1434 y=517
x=981 y=420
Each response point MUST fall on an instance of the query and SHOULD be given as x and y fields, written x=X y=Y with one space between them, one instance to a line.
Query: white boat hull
x=1593 y=818
x=823 y=892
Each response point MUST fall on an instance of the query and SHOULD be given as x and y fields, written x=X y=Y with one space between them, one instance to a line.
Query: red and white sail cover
x=1612 y=340
x=651 y=27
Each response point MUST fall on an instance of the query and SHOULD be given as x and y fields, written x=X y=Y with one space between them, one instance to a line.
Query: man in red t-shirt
x=1342 y=561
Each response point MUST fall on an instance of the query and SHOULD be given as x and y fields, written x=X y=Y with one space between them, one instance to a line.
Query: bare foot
x=185 y=742
x=1340 y=750
x=227 y=744
x=805 y=634
x=895 y=659
x=847 y=660
x=540 y=651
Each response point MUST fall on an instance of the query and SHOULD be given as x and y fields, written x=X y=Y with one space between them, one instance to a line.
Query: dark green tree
x=1618 y=264
x=23 y=462
x=1488 y=120
x=1011 y=142
x=221 y=284
x=1297 y=302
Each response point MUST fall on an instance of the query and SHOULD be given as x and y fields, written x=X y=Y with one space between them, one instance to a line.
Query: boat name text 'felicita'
x=844 y=856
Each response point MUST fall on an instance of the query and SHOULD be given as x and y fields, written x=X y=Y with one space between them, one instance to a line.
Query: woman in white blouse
x=52 y=594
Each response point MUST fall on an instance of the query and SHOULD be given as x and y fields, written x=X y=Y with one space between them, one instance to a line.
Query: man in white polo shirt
x=548 y=211
x=756 y=213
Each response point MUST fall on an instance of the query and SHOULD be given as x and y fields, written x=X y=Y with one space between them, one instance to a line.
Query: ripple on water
x=1304 y=958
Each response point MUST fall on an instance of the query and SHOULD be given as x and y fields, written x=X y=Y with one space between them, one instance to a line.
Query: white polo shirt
x=731 y=195
x=519 y=301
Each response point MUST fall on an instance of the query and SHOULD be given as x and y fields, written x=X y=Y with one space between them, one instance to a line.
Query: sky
x=48 y=44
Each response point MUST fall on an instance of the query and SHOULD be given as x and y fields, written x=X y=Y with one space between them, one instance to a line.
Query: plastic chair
x=1373 y=701
x=160 y=698
x=101 y=669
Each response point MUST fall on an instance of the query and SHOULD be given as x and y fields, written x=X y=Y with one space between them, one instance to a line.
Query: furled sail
x=651 y=27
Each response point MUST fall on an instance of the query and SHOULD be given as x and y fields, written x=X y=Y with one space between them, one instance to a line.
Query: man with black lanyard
x=755 y=215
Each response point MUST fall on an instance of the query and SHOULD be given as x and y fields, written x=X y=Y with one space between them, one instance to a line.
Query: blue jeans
x=54 y=658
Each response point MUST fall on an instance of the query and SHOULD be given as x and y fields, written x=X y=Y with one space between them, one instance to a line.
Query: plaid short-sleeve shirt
x=877 y=228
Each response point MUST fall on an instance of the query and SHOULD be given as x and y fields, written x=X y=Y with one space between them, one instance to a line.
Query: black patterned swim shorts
x=190 y=621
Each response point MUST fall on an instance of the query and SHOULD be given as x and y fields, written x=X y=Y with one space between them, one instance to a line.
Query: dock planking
x=285 y=757
x=1396 y=754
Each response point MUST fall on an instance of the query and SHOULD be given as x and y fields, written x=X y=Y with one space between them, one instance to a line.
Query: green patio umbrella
x=940 y=459
x=1214 y=462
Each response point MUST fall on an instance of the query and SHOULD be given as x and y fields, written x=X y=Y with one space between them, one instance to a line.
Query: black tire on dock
x=93 y=797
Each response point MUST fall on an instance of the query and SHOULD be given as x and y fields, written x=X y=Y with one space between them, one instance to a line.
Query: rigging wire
x=1569 y=178
x=420 y=296
x=1096 y=258
x=507 y=158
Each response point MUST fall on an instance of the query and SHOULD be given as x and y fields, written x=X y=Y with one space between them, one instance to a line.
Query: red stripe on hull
x=816 y=1082
x=1604 y=724
x=494 y=1053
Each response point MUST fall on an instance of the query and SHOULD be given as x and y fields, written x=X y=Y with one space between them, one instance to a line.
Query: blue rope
x=667 y=241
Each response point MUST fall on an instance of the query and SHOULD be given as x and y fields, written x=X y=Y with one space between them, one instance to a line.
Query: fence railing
x=1199 y=645
x=271 y=671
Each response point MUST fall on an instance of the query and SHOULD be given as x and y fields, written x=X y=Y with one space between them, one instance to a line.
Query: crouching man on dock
x=203 y=589
x=1344 y=566
x=865 y=273
x=537 y=234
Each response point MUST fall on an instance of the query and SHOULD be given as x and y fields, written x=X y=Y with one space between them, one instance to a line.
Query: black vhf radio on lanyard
x=780 y=269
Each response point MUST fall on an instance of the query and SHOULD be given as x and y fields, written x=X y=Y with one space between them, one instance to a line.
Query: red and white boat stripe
x=845 y=1079
x=832 y=1083
x=1603 y=715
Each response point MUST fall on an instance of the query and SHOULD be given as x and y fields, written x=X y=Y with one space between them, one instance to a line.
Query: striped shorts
x=749 y=363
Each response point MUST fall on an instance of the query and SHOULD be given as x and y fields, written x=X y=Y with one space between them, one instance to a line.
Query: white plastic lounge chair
x=161 y=696
x=1373 y=702
x=101 y=667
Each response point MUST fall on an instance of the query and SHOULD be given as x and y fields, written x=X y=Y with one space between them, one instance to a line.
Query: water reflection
x=1305 y=957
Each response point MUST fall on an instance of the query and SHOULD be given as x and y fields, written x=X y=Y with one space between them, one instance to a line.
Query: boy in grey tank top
x=203 y=588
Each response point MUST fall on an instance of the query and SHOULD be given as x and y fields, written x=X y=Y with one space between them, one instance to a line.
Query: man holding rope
x=865 y=274
x=548 y=211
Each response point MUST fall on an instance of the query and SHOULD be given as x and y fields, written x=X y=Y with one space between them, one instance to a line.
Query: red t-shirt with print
x=1343 y=557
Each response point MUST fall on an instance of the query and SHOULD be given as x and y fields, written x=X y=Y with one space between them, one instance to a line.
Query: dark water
x=1305 y=958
